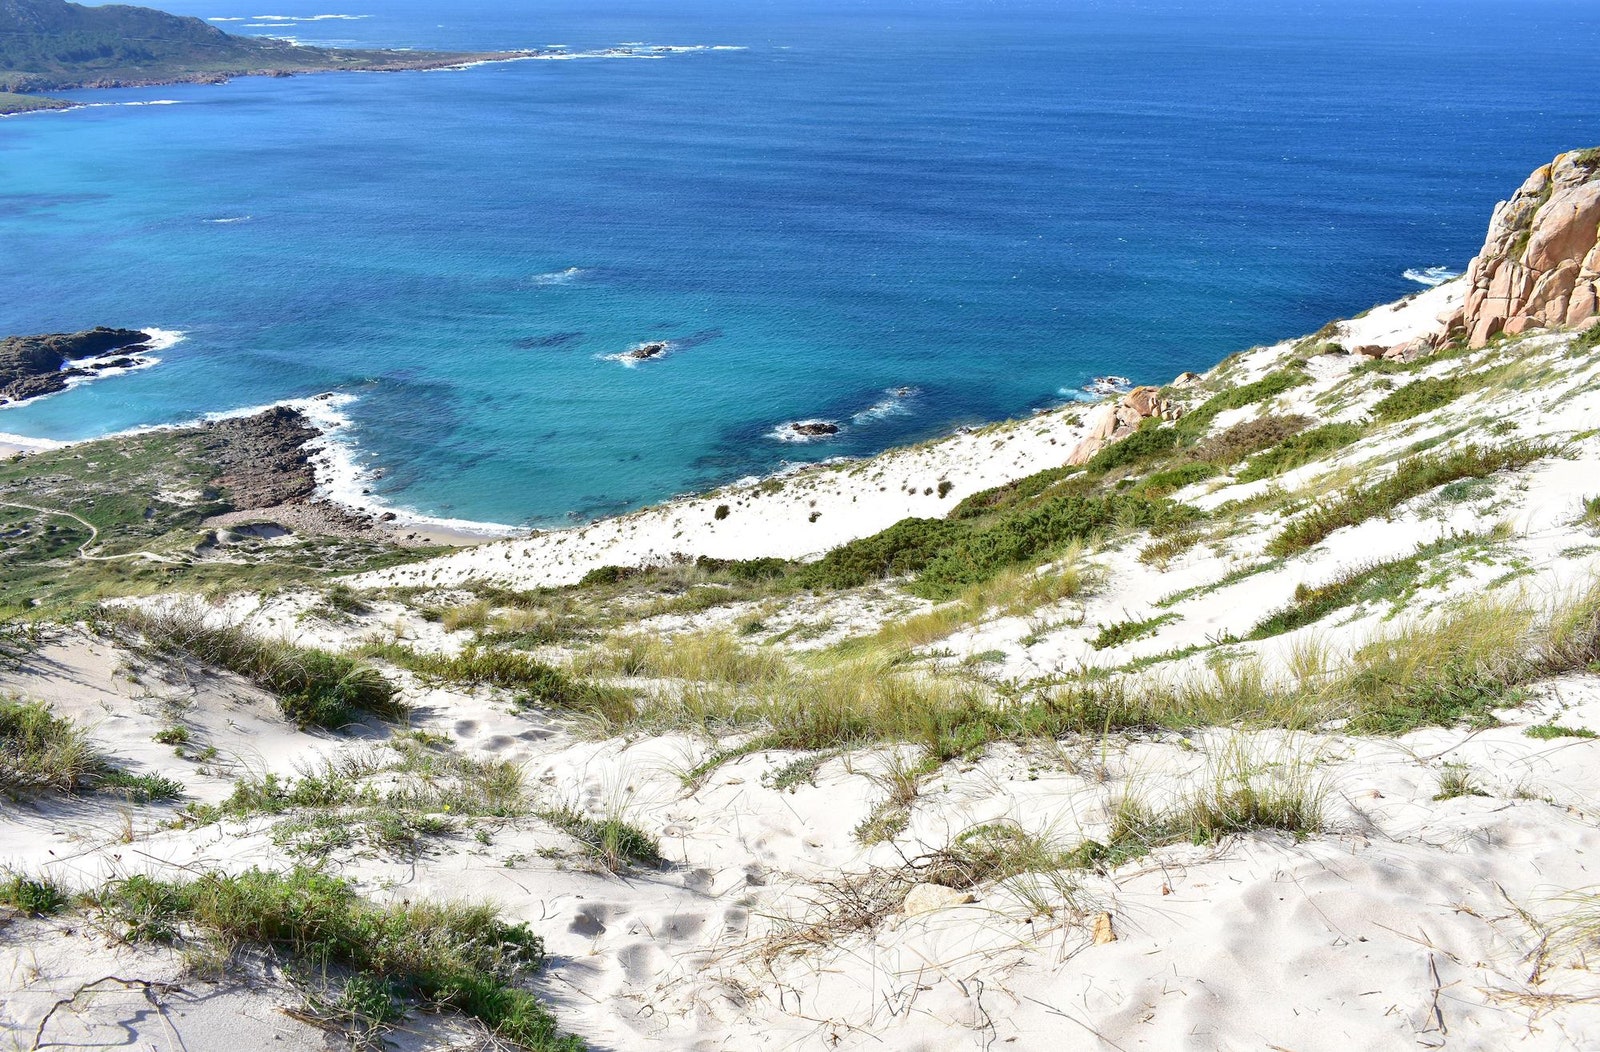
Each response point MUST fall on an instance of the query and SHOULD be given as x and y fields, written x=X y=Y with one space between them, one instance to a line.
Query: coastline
x=798 y=512
x=803 y=513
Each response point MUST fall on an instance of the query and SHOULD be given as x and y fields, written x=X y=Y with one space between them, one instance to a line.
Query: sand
x=1416 y=919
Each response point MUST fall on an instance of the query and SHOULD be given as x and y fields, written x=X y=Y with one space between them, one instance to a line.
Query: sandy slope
x=1412 y=922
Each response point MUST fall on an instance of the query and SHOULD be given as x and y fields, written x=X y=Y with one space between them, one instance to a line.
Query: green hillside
x=50 y=45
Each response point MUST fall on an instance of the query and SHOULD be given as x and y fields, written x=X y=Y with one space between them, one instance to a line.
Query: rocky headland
x=52 y=45
x=31 y=366
x=1539 y=267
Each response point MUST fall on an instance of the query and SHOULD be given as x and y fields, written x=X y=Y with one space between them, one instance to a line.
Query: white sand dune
x=1416 y=918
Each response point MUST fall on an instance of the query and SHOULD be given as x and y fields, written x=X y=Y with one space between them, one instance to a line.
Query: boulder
x=1540 y=259
x=926 y=898
x=1143 y=400
x=1183 y=380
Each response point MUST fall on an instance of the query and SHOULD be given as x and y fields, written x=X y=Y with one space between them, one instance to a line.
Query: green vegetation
x=1391 y=581
x=140 y=788
x=1550 y=731
x=1457 y=780
x=66 y=45
x=1430 y=393
x=533 y=681
x=315 y=688
x=124 y=517
x=1587 y=341
x=391 y=807
x=1127 y=631
x=40 y=751
x=33 y=898
x=11 y=103
x=614 y=842
x=1269 y=386
x=431 y=955
x=1300 y=449
x=1412 y=478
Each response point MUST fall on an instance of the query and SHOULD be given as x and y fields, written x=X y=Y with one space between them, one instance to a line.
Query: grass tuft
x=315 y=688
x=1411 y=478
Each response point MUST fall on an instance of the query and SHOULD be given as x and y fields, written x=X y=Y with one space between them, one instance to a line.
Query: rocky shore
x=31 y=366
x=265 y=466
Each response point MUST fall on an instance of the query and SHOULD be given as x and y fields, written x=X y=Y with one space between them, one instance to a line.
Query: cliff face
x=1540 y=264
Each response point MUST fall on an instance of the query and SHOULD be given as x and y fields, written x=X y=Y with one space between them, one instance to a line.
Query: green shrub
x=1011 y=494
x=1150 y=441
x=1420 y=396
x=1298 y=450
x=722 y=512
x=1588 y=341
x=904 y=548
x=1161 y=483
x=1026 y=536
x=1270 y=386
x=608 y=575
x=33 y=897
x=765 y=569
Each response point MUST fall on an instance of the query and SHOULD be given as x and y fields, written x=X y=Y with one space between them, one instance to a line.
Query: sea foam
x=1431 y=276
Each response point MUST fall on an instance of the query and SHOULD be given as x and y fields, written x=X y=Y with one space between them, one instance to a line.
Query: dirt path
x=94 y=536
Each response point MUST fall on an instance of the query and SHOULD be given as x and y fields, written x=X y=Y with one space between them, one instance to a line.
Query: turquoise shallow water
x=984 y=203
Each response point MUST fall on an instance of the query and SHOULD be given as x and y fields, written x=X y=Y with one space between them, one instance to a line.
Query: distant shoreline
x=15 y=102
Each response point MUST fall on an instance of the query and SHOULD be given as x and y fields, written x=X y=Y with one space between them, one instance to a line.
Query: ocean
x=900 y=216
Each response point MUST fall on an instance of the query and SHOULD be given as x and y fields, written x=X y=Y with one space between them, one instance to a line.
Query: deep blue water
x=989 y=202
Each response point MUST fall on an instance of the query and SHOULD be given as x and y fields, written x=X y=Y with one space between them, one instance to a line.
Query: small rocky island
x=646 y=351
x=31 y=366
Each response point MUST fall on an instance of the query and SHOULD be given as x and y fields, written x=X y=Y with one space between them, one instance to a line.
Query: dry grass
x=1013 y=592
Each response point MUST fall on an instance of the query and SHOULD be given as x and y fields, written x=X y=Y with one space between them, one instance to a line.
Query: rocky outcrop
x=31 y=366
x=1540 y=264
x=814 y=428
x=646 y=351
x=262 y=460
x=1119 y=419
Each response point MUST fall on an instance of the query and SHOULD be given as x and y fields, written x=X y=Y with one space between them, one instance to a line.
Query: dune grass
x=534 y=682
x=40 y=751
x=613 y=841
x=1411 y=478
x=392 y=801
x=1013 y=592
x=315 y=688
x=428 y=955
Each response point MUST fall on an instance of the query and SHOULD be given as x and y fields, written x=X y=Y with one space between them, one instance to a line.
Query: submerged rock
x=646 y=351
